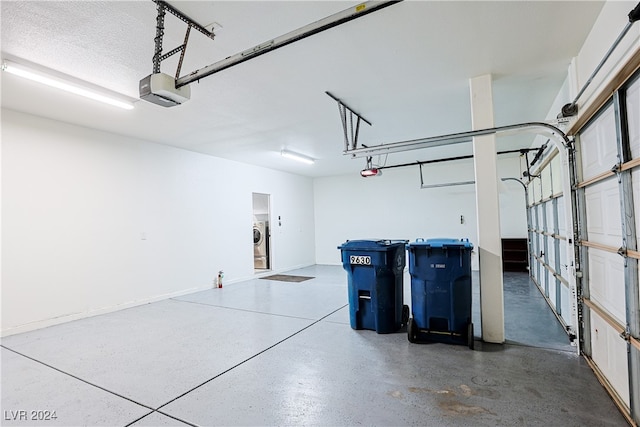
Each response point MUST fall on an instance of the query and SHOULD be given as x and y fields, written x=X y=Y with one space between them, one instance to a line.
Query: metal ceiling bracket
x=184 y=18
x=163 y=7
x=157 y=54
x=350 y=133
x=183 y=49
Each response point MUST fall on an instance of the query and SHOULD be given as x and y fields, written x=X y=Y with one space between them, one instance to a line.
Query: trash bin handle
x=388 y=242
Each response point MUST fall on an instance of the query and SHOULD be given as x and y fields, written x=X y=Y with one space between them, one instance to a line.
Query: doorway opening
x=261 y=232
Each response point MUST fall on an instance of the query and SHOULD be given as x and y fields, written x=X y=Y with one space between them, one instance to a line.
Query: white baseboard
x=39 y=324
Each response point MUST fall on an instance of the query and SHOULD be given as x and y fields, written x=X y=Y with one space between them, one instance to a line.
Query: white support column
x=488 y=211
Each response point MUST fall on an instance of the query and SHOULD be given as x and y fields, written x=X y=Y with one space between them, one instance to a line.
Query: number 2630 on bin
x=360 y=259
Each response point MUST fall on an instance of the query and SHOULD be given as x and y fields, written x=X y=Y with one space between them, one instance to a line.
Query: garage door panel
x=609 y=352
x=552 y=291
x=562 y=229
x=635 y=180
x=633 y=117
x=564 y=260
x=565 y=299
x=606 y=282
x=551 y=252
x=612 y=212
x=541 y=217
x=531 y=194
x=556 y=175
x=537 y=188
x=545 y=275
x=598 y=145
x=595 y=222
x=551 y=224
x=547 y=251
x=545 y=177
x=603 y=213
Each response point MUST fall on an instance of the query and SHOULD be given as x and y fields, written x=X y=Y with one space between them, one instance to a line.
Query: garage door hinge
x=626 y=335
x=622 y=251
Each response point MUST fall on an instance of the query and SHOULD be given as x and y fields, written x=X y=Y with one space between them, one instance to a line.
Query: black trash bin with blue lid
x=440 y=272
x=375 y=269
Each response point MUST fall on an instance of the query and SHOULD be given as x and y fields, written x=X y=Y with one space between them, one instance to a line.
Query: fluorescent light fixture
x=64 y=84
x=298 y=157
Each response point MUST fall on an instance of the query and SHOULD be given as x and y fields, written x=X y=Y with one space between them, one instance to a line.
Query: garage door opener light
x=65 y=83
x=371 y=170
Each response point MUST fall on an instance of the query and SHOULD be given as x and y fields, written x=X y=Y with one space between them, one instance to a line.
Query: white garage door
x=549 y=261
x=608 y=197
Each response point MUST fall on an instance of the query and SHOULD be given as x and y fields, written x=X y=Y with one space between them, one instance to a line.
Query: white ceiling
x=405 y=68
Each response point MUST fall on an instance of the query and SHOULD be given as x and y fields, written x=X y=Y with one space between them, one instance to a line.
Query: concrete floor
x=275 y=353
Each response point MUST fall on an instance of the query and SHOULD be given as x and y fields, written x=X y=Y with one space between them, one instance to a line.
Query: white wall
x=393 y=206
x=76 y=203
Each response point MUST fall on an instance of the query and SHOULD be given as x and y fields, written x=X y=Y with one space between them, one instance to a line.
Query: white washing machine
x=260 y=244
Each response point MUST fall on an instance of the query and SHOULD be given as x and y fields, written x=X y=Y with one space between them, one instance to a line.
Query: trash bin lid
x=442 y=243
x=371 y=245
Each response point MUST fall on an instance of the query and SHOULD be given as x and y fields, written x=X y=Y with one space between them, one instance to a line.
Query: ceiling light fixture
x=299 y=157
x=65 y=84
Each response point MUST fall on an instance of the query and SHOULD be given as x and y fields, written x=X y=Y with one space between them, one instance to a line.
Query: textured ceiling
x=405 y=68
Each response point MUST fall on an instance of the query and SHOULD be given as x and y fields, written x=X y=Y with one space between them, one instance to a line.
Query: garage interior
x=133 y=294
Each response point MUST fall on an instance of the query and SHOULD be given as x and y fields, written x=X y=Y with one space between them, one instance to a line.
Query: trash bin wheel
x=470 y=337
x=405 y=314
x=412 y=330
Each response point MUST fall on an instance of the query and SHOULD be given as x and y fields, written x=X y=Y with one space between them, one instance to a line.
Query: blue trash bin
x=440 y=272
x=375 y=270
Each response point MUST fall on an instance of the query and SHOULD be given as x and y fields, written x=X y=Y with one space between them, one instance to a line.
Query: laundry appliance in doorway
x=261 y=234
x=260 y=245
